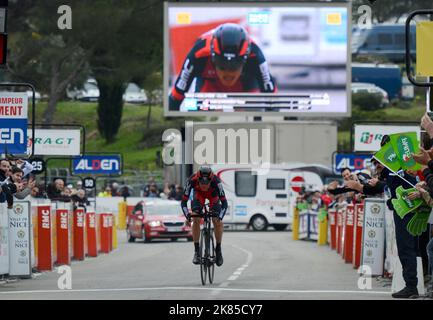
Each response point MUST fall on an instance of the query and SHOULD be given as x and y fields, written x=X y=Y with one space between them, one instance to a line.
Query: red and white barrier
x=340 y=213
x=91 y=232
x=45 y=245
x=106 y=223
x=348 y=233
x=332 y=213
x=63 y=237
x=357 y=234
x=78 y=227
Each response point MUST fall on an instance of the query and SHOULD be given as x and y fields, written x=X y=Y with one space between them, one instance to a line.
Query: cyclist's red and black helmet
x=205 y=174
x=230 y=46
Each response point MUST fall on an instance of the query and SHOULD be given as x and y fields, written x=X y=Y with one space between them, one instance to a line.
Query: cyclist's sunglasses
x=229 y=65
x=204 y=180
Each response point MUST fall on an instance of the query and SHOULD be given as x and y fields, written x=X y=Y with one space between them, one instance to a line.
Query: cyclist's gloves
x=222 y=213
x=185 y=210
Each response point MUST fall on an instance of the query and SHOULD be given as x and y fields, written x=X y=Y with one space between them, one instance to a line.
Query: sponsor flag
x=404 y=144
x=387 y=156
x=397 y=153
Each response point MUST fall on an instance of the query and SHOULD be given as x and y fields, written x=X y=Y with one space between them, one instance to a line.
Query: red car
x=157 y=219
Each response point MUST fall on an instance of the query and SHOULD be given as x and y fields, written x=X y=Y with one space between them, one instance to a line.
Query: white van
x=263 y=200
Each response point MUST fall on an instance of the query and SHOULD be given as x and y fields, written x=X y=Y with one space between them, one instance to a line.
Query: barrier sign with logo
x=4 y=242
x=13 y=122
x=19 y=239
x=368 y=137
x=55 y=142
x=103 y=164
x=373 y=236
x=352 y=161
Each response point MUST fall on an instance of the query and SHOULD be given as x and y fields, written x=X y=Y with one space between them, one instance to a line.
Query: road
x=257 y=265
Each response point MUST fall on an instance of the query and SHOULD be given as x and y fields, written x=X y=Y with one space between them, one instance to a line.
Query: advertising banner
x=55 y=142
x=20 y=239
x=13 y=122
x=355 y=162
x=373 y=237
x=367 y=137
x=97 y=164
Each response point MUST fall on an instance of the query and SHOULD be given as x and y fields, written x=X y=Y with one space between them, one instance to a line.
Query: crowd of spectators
x=168 y=191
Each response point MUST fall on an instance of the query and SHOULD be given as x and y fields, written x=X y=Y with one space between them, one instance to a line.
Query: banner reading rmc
x=94 y=164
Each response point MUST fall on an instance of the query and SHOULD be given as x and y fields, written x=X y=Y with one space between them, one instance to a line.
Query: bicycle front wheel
x=212 y=257
x=203 y=263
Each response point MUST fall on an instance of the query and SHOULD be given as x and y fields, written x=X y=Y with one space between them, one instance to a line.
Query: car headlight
x=155 y=223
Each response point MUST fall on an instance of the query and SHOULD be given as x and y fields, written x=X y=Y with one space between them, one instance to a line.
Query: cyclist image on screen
x=224 y=59
x=205 y=186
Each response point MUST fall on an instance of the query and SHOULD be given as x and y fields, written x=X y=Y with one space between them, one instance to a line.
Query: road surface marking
x=203 y=288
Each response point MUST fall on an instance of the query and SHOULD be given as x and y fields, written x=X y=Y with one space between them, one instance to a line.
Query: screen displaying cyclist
x=205 y=186
x=224 y=59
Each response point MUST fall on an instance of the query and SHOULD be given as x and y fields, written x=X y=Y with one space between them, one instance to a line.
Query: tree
x=153 y=90
x=127 y=49
x=41 y=53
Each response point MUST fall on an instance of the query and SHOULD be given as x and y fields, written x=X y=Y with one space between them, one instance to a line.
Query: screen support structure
x=429 y=83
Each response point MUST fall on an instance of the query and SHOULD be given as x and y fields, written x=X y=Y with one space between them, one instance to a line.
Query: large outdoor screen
x=257 y=58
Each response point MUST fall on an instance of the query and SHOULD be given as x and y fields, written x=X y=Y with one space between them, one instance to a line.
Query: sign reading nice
x=13 y=122
x=98 y=164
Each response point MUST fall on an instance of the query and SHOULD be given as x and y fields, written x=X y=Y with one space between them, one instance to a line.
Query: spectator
x=357 y=183
x=105 y=192
x=27 y=188
x=80 y=199
x=179 y=193
x=115 y=189
x=55 y=190
x=406 y=243
x=125 y=191
x=34 y=193
x=150 y=182
x=172 y=192
x=153 y=192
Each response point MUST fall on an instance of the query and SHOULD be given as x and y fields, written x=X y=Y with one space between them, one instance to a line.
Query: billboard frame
x=166 y=88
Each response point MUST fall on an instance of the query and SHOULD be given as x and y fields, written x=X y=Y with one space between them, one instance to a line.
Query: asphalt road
x=257 y=265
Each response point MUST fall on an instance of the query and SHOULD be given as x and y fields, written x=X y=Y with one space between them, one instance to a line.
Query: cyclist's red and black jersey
x=198 y=65
x=214 y=194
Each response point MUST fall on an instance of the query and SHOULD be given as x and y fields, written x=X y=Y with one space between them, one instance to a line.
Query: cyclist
x=223 y=60
x=206 y=186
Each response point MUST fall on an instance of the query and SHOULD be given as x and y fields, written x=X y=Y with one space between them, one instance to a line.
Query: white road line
x=201 y=288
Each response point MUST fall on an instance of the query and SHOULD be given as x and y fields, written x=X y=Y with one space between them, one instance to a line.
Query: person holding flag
x=390 y=171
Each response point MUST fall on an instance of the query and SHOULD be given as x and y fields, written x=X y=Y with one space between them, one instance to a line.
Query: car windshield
x=133 y=88
x=90 y=86
x=166 y=210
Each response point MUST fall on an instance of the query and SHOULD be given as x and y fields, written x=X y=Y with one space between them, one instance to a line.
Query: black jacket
x=393 y=182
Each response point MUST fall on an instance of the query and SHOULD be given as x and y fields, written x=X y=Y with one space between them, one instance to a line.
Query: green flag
x=402 y=205
x=387 y=156
x=419 y=222
x=322 y=214
x=404 y=144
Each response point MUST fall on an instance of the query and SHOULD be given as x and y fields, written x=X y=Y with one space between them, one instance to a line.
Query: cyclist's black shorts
x=197 y=204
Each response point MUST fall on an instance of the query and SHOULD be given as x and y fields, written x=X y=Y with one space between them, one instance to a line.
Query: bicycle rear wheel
x=212 y=257
x=203 y=263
